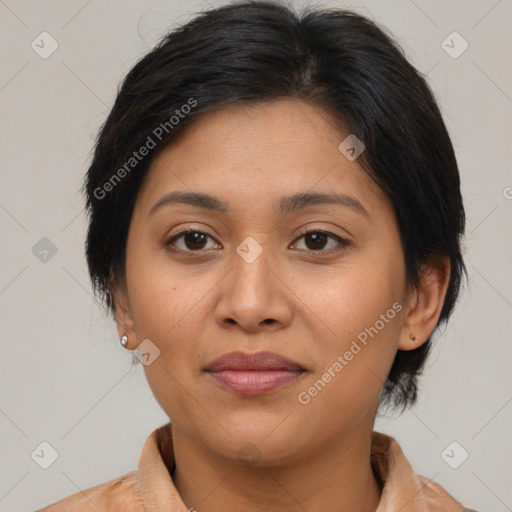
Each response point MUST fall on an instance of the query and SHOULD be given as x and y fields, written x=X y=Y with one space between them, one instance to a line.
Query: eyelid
x=320 y=229
x=301 y=232
x=175 y=235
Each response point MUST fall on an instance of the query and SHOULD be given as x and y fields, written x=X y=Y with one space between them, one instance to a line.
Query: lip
x=257 y=361
x=253 y=374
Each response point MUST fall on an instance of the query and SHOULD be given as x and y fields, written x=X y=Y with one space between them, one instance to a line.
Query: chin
x=255 y=441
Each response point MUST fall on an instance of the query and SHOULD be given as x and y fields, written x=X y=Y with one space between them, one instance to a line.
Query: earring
x=413 y=338
x=124 y=340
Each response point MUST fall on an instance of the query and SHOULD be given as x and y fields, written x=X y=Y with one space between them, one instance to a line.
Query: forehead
x=257 y=152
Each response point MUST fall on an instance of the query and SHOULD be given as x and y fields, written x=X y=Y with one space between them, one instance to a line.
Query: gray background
x=64 y=377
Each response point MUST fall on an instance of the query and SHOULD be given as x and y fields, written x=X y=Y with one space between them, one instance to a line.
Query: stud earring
x=413 y=338
x=124 y=340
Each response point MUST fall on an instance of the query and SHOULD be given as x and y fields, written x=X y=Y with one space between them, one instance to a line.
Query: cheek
x=353 y=363
x=165 y=298
x=168 y=308
x=357 y=328
x=346 y=300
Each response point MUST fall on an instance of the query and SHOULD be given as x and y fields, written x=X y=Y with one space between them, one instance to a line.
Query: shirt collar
x=402 y=489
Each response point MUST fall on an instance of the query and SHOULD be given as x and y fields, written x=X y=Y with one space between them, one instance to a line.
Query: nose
x=254 y=295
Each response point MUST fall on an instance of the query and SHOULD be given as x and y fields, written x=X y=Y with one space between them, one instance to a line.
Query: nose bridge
x=251 y=278
x=252 y=295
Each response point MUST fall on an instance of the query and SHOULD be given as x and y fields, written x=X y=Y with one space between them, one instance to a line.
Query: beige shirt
x=150 y=488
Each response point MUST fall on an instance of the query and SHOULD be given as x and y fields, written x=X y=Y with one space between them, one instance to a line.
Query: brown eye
x=316 y=240
x=192 y=240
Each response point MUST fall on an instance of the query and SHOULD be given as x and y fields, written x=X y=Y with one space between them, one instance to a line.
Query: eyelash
x=343 y=243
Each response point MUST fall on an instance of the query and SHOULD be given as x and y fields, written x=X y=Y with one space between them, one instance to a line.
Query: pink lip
x=253 y=374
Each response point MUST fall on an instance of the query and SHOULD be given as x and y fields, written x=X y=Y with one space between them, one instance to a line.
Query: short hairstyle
x=256 y=51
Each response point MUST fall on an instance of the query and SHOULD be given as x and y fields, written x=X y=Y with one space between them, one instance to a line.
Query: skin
x=293 y=299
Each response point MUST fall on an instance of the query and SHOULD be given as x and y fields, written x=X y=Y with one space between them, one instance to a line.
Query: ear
x=425 y=303
x=123 y=315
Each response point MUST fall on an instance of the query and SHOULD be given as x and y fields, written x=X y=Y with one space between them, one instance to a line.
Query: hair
x=257 y=51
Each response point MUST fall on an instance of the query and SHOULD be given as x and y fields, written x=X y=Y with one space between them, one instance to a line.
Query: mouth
x=253 y=374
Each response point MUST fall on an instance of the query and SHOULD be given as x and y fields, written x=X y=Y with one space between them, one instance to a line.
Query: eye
x=193 y=240
x=316 y=239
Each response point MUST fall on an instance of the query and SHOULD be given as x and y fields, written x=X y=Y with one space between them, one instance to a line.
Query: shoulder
x=439 y=498
x=118 y=495
x=401 y=483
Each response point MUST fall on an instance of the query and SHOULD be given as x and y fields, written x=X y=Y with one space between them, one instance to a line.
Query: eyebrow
x=286 y=205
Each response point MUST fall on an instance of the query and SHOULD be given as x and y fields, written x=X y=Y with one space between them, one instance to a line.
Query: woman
x=275 y=221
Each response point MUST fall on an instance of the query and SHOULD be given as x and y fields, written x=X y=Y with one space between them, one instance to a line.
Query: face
x=319 y=283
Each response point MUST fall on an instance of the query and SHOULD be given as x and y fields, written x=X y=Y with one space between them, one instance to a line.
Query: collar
x=402 y=489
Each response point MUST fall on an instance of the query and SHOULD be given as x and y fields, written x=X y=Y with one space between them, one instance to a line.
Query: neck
x=336 y=478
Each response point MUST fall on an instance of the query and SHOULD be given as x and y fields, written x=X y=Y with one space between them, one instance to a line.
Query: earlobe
x=123 y=316
x=426 y=303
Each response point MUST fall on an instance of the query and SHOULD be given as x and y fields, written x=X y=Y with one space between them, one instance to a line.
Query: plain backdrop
x=66 y=380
